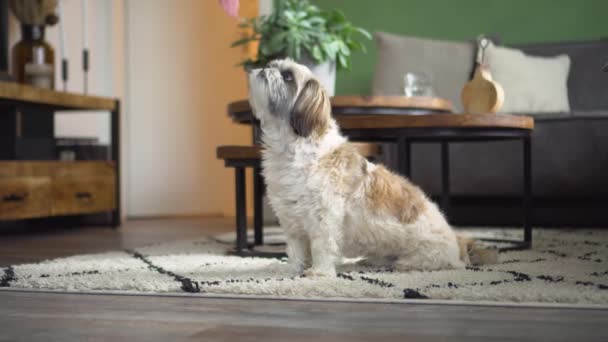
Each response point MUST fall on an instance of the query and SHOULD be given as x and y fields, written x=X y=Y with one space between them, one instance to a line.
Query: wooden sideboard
x=46 y=188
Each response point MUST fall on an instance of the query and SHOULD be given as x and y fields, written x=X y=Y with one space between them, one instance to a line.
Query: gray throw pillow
x=448 y=63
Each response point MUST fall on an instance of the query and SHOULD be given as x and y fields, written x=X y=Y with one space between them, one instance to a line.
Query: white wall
x=181 y=74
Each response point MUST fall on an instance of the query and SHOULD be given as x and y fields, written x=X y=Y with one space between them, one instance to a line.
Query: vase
x=33 y=59
x=324 y=72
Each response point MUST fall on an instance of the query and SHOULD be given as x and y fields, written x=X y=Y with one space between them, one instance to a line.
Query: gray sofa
x=570 y=156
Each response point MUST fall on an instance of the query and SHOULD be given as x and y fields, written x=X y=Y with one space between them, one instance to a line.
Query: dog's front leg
x=324 y=251
x=298 y=252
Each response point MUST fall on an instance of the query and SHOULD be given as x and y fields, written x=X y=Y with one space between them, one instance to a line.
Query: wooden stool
x=242 y=157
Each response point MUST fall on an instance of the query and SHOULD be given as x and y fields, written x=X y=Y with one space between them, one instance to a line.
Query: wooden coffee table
x=404 y=121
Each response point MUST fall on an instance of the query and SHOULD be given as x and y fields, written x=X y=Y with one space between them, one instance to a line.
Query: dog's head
x=286 y=93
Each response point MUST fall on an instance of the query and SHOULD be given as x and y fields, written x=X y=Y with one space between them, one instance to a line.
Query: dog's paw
x=295 y=267
x=316 y=272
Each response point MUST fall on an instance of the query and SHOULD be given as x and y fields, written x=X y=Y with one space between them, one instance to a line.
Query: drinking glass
x=417 y=84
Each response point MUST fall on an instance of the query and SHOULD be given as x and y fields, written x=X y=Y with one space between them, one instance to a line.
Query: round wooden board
x=431 y=103
x=236 y=109
x=435 y=120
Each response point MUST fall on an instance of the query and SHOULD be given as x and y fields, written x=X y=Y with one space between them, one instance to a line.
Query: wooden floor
x=18 y=245
x=78 y=317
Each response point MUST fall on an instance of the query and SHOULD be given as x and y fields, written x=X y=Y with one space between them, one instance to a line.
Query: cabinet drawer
x=26 y=168
x=84 y=169
x=83 y=195
x=56 y=168
x=8 y=169
x=25 y=197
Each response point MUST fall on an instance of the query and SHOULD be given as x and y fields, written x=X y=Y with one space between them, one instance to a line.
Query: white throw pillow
x=532 y=84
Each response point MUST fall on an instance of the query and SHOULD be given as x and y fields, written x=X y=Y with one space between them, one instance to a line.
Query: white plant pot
x=325 y=73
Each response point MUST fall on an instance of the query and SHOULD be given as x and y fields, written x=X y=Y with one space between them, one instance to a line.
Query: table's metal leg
x=256 y=131
x=258 y=215
x=527 y=202
x=403 y=156
x=527 y=199
x=254 y=134
x=445 y=178
x=115 y=152
x=241 y=210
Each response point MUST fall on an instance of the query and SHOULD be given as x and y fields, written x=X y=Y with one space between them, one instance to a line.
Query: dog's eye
x=287 y=75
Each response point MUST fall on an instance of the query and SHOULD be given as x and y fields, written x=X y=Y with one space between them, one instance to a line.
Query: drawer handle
x=84 y=196
x=15 y=197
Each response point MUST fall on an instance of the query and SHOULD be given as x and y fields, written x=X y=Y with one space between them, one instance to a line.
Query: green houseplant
x=322 y=40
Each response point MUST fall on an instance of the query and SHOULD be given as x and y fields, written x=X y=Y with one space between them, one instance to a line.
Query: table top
x=25 y=94
x=355 y=112
x=379 y=121
x=431 y=103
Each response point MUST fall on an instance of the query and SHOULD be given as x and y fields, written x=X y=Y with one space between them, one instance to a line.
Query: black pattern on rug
x=194 y=286
x=187 y=284
x=369 y=280
x=7 y=277
x=72 y=274
x=407 y=293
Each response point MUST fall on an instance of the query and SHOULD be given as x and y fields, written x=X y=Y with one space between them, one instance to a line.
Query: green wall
x=514 y=21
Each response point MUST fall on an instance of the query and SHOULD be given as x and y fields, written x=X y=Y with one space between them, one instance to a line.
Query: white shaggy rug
x=565 y=266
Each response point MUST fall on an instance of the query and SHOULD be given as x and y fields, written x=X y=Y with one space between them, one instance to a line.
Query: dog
x=332 y=202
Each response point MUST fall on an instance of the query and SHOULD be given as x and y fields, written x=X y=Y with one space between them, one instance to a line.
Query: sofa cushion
x=587 y=84
x=448 y=63
x=532 y=84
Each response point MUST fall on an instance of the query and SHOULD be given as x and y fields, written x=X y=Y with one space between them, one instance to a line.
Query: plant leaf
x=342 y=61
x=344 y=48
x=317 y=54
x=242 y=41
x=364 y=32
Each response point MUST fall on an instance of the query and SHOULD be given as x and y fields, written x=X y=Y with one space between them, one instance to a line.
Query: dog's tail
x=475 y=254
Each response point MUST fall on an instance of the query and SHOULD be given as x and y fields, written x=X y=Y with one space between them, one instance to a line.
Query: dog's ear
x=311 y=111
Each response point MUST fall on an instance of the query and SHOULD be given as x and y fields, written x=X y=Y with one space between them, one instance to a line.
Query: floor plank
x=67 y=317
x=24 y=245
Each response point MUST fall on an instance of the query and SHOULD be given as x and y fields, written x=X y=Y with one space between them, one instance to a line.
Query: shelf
x=15 y=93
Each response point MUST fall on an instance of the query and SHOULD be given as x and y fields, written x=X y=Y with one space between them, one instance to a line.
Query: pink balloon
x=231 y=7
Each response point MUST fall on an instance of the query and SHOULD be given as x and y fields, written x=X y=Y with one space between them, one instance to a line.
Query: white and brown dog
x=331 y=201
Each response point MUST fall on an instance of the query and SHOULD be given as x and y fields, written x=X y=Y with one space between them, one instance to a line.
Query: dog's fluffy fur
x=331 y=201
